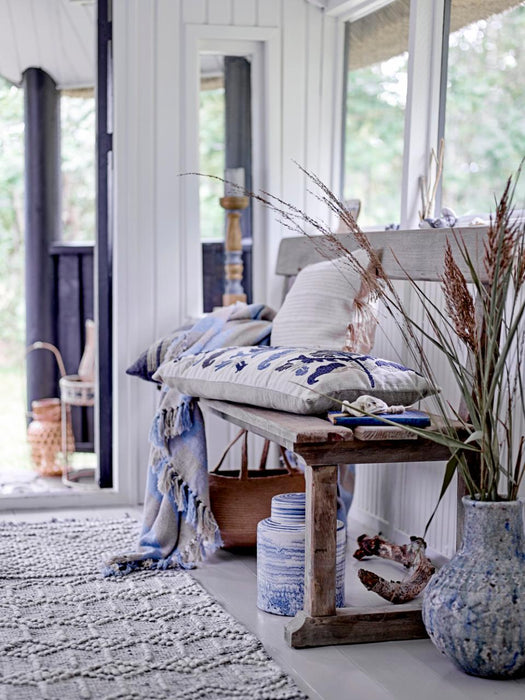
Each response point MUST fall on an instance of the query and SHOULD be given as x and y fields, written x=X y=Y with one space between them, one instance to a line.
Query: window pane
x=375 y=112
x=484 y=127
x=211 y=146
x=14 y=452
x=77 y=117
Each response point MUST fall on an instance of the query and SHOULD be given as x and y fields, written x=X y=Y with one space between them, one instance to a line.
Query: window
x=211 y=145
x=376 y=89
x=77 y=119
x=224 y=142
x=485 y=103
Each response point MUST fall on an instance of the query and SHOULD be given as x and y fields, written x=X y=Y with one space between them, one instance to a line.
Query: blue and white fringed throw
x=178 y=526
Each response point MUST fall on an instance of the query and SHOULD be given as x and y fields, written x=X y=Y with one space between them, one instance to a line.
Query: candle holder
x=233 y=267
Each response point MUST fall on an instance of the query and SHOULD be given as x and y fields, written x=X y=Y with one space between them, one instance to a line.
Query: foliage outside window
x=375 y=112
x=14 y=453
x=484 y=134
x=78 y=221
x=77 y=116
x=12 y=309
x=211 y=157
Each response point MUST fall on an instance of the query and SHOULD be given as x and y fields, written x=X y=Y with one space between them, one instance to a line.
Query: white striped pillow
x=321 y=304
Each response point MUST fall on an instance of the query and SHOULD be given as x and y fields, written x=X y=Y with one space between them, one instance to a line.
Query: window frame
x=426 y=94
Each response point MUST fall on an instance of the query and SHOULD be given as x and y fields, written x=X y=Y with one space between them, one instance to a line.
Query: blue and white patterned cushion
x=297 y=380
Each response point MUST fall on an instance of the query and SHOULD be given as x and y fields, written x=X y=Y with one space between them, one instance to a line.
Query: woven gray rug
x=67 y=633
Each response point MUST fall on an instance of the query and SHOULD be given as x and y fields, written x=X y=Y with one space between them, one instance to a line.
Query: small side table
x=75 y=392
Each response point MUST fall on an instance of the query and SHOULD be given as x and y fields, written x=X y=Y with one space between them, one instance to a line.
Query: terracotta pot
x=44 y=434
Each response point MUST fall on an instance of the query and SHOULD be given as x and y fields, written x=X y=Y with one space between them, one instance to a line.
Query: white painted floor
x=412 y=670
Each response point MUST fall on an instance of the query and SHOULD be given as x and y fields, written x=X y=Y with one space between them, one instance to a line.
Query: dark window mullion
x=103 y=252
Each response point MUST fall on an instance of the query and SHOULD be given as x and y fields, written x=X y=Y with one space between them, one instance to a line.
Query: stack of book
x=375 y=427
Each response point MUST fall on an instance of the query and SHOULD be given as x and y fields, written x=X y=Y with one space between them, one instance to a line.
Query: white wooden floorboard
x=412 y=670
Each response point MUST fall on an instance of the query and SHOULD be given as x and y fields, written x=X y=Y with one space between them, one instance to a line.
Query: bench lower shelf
x=357 y=626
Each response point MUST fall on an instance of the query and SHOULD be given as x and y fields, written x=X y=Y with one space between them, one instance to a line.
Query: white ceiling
x=55 y=35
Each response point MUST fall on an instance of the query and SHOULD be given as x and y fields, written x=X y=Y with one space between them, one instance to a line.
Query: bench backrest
x=418 y=254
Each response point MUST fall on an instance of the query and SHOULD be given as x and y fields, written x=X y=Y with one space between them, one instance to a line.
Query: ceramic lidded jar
x=281 y=554
x=474 y=607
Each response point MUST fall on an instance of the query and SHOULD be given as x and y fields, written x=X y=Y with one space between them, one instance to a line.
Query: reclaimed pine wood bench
x=418 y=254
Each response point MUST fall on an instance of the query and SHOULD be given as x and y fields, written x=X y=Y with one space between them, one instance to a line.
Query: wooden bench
x=418 y=254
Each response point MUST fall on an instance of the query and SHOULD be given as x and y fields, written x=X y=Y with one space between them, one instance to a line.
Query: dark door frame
x=103 y=246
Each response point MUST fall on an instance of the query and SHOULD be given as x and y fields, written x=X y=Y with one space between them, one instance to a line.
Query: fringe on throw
x=195 y=512
x=123 y=567
x=171 y=422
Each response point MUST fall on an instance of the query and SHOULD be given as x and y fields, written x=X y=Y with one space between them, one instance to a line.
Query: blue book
x=418 y=419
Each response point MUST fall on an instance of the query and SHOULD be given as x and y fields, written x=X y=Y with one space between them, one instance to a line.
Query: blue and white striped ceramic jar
x=280 y=557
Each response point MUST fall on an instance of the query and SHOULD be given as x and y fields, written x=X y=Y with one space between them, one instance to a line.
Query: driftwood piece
x=411 y=556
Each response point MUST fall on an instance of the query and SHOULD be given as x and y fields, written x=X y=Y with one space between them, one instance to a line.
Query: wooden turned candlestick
x=233 y=267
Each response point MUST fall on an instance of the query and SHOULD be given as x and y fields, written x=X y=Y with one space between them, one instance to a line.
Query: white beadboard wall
x=157 y=263
x=398 y=499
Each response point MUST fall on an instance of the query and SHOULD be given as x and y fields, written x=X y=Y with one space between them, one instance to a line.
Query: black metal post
x=103 y=248
x=42 y=222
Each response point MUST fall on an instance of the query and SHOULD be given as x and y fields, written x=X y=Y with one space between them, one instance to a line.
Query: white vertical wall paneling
x=157 y=254
x=219 y=11
x=313 y=105
x=267 y=168
x=194 y=11
x=332 y=101
x=244 y=13
x=191 y=251
x=146 y=133
x=379 y=486
x=122 y=191
x=329 y=90
x=134 y=243
x=294 y=100
x=269 y=13
x=147 y=210
x=169 y=229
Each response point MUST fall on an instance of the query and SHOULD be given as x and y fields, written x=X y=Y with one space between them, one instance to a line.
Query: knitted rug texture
x=68 y=633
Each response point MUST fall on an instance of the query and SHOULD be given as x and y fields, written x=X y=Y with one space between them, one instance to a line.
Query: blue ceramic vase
x=474 y=607
x=280 y=557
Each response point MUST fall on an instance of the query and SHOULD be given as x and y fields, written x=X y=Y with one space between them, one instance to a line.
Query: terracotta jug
x=44 y=434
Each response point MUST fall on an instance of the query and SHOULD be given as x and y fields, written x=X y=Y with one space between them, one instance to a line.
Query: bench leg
x=320 y=549
x=319 y=623
x=320 y=540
